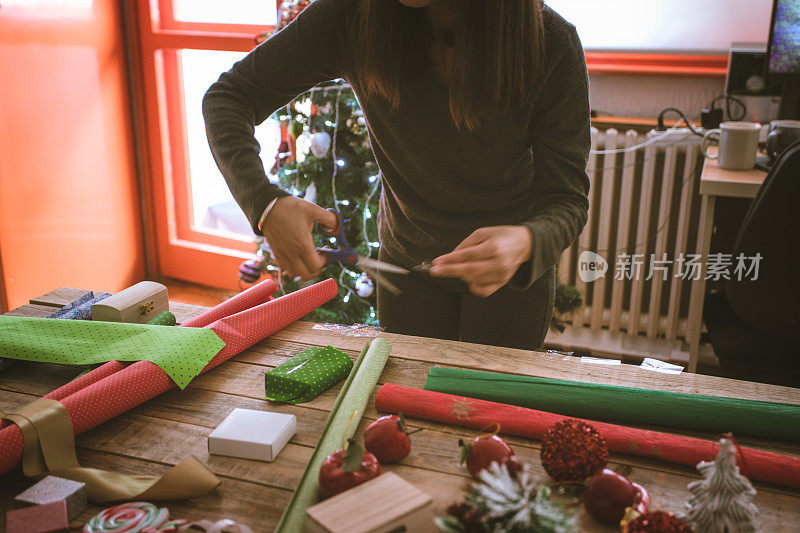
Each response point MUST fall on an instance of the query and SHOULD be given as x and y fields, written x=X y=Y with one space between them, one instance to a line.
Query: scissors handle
x=344 y=253
x=347 y=257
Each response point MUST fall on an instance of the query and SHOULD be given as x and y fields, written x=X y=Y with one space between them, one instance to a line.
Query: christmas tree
x=325 y=157
x=721 y=502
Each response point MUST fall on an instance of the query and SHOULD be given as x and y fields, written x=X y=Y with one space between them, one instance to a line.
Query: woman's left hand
x=487 y=259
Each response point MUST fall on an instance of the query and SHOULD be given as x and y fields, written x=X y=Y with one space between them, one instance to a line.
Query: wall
x=69 y=212
x=646 y=96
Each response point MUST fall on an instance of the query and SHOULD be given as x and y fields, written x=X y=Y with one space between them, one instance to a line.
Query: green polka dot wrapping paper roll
x=307 y=375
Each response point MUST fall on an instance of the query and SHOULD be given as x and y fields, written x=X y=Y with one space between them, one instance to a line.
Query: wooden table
x=714 y=182
x=165 y=430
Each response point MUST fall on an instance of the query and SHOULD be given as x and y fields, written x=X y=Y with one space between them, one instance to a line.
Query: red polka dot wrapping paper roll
x=483 y=415
x=255 y=295
x=123 y=390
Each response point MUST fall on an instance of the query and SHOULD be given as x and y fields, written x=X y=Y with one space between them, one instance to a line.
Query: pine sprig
x=512 y=504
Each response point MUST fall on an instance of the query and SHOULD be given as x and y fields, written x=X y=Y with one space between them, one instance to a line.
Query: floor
x=189 y=293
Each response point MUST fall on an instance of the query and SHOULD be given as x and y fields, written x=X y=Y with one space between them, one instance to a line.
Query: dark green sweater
x=440 y=183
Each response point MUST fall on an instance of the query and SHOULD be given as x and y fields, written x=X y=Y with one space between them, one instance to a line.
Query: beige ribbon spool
x=49 y=448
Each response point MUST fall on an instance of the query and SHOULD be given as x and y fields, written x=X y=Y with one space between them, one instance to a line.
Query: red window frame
x=181 y=250
x=203 y=257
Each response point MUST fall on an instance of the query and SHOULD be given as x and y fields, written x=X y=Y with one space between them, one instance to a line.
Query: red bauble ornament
x=573 y=450
x=485 y=450
x=657 y=522
x=336 y=477
x=609 y=494
x=388 y=439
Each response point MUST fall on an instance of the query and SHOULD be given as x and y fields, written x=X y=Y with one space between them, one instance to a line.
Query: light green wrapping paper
x=352 y=399
x=307 y=375
x=617 y=404
x=181 y=352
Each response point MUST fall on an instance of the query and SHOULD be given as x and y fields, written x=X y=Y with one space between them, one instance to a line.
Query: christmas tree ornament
x=347 y=468
x=572 y=450
x=722 y=502
x=609 y=494
x=320 y=144
x=303 y=144
x=364 y=285
x=656 y=522
x=311 y=193
x=388 y=439
x=249 y=271
x=483 y=451
x=502 y=501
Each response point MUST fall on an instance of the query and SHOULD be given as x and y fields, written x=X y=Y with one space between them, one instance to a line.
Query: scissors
x=345 y=254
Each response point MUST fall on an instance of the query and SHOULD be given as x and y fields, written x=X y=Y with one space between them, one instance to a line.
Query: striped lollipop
x=134 y=517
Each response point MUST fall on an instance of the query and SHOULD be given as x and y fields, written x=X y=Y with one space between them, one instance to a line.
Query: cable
x=661 y=126
x=333 y=149
x=728 y=99
x=641 y=145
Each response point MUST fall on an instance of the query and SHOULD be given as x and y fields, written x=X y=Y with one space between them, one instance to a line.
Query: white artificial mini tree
x=721 y=502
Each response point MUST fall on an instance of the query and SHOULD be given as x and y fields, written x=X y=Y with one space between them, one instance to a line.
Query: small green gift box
x=307 y=375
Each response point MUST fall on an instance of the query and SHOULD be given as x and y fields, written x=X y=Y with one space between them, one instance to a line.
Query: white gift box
x=249 y=434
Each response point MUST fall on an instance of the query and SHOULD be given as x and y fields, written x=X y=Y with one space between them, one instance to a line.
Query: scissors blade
x=374 y=264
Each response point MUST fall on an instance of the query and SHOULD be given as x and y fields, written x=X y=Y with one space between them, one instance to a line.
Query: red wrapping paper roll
x=255 y=295
x=121 y=391
x=483 y=415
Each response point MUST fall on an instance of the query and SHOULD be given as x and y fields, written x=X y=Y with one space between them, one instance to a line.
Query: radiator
x=643 y=203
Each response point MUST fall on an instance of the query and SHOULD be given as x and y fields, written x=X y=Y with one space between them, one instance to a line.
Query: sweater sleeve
x=311 y=49
x=560 y=136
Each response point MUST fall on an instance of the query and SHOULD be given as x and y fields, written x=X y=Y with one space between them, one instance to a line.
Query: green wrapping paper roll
x=164 y=318
x=307 y=375
x=341 y=425
x=623 y=404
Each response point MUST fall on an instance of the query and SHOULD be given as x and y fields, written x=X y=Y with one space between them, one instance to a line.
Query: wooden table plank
x=163 y=431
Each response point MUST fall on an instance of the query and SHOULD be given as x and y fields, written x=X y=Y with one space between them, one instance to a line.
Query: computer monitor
x=783 y=54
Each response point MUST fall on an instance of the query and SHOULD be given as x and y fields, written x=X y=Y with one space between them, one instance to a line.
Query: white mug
x=738 y=144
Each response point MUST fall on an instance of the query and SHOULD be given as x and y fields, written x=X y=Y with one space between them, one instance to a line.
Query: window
x=199 y=232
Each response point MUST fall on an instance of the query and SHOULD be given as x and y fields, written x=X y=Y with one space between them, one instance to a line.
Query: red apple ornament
x=342 y=470
x=485 y=450
x=387 y=439
x=609 y=495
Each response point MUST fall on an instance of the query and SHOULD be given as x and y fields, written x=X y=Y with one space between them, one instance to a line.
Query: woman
x=478 y=116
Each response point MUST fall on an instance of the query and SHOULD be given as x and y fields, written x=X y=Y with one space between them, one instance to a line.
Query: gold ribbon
x=49 y=448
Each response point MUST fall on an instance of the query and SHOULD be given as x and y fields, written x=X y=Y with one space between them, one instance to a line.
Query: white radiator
x=643 y=203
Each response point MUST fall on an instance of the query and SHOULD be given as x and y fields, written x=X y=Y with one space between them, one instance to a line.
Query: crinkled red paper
x=483 y=415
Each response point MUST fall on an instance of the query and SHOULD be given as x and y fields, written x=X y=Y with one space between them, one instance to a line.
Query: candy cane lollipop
x=134 y=517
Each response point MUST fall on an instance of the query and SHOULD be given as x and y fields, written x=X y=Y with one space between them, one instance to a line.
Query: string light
x=346 y=298
x=373 y=179
x=329 y=123
x=345 y=202
x=367 y=213
x=340 y=162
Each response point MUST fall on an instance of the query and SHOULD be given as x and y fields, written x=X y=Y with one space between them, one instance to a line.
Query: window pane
x=259 y=12
x=213 y=205
x=654 y=25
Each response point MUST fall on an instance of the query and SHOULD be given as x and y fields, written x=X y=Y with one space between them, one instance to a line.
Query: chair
x=754 y=325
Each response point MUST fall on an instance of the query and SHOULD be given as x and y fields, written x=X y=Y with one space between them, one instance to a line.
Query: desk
x=714 y=182
x=165 y=430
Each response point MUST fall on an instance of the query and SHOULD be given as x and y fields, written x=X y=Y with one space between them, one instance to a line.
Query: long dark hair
x=498 y=52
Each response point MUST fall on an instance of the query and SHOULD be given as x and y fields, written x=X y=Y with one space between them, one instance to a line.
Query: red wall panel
x=69 y=209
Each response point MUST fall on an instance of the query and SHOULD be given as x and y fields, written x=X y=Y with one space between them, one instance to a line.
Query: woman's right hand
x=288 y=228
